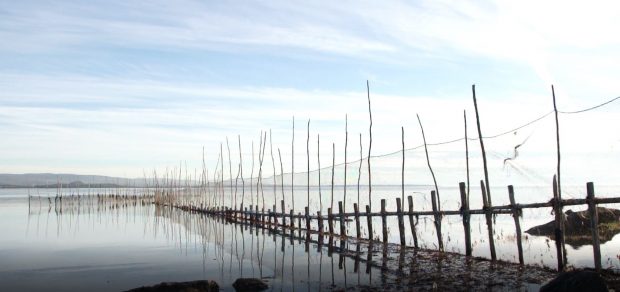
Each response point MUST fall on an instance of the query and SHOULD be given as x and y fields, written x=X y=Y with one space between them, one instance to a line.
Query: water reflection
x=197 y=246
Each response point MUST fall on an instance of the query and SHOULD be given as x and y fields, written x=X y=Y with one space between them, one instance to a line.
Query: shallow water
x=111 y=249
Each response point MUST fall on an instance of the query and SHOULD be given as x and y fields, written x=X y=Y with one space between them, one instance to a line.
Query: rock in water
x=249 y=284
x=193 y=286
x=575 y=281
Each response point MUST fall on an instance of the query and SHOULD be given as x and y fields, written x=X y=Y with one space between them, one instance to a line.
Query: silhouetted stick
x=230 y=171
x=275 y=183
x=484 y=155
x=401 y=223
x=437 y=220
x=346 y=143
x=486 y=206
x=557 y=136
x=359 y=173
x=402 y=185
x=383 y=221
x=333 y=164
x=516 y=214
x=282 y=187
x=357 y=220
x=559 y=236
x=241 y=173
x=596 y=245
x=466 y=153
x=343 y=231
x=428 y=161
x=308 y=160
x=466 y=218
x=411 y=223
x=369 y=147
x=318 y=159
x=293 y=166
x=369 y=221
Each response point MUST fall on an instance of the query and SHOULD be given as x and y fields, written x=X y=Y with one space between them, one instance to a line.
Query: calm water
x=112 y=249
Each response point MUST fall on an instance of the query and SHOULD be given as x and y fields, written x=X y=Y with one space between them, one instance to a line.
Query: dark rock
x=249 y=284
x=577 y=226
x=193 y=286
x=576 y=281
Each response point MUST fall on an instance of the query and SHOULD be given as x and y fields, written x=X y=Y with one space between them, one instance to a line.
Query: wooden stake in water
x=401 y=223
x=384 y=221
x=559 y=236
x=484 y=155
x=343 y=231
x=487 y=207
x=369 y=147
x=369 y=220
x=466 y=218
x=593 y=212
x=411 y=223
x=516 y=214
x=357 y=220
x=437 y=216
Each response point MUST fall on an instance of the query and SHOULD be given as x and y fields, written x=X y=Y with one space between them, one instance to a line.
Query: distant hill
x=52 y=180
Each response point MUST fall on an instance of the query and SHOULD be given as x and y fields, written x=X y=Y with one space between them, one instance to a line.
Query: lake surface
x=114 y=248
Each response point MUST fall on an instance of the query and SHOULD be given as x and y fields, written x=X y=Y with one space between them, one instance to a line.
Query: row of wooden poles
x=215 y=202
x=286 y=220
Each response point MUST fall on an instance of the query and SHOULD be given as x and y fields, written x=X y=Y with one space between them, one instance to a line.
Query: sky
x=121 y=88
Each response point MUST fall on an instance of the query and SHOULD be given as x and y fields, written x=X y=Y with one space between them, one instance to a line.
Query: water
x=118 y=248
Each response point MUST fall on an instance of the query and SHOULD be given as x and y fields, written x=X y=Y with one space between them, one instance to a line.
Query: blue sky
x=115 y=87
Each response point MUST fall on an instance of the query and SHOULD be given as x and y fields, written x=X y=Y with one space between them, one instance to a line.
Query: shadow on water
x=288 y=260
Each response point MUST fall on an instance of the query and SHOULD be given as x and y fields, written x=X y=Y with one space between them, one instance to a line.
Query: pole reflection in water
x=205 y=247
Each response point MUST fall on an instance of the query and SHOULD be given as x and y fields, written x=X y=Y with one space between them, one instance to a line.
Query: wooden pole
x=484 y=155
x=343 y=231
x=411 y=223
x=357 y=220
x=559 y=236
x=330 y=221
x=559 y=187
x=437 y=220
x=428 y=162
x=293 y=168
x=401 y=223
x=308 y=172
x=320 y=222
x=346 y=144
x=593 y=212
x=487 y=207
x=369 y=220
x=516 y=214
x=402 y=172
x=384 y=221
x=466 y=218
x=466 y=153
x=369 y=146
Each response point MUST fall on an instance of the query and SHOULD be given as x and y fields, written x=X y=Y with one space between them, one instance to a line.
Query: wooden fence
x=271 y=218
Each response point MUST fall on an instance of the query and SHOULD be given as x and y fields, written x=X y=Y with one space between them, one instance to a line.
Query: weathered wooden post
x=411 y=223
x=320 y=222
x=275 y=216
x=516 y=213
x=466 y=218
x=307 y=218
x=559 y=223
x=283 y=212
x=487 y=211
x=596 y=244
x=401 y=223
x=343 y=231
x=357 y=220
x=292 y=219
x=384 y=221
x=330 y=218
x=437 y=220
x=369 y=220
